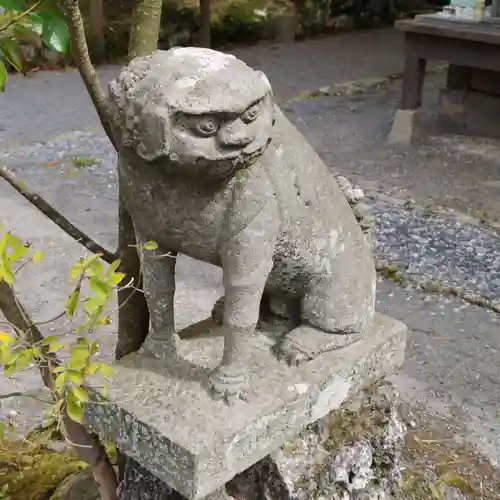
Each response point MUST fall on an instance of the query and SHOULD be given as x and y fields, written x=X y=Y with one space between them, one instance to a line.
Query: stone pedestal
x=351 y=453
x=161 y=416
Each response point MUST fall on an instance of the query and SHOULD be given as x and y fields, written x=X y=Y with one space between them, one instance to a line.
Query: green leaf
x=81 y=394
x=38 y=257
x=18 y=5
x=36 y=24
x=6 y=356
x=79 y=358
x=48 y=340
x=3 y=76
x=94 y=304
x=94 y=348
x=6 y=338
x=60 y=381
x=55 y=32
x=3 y=243
x=75 y=377
x=6 y=273
x=74 y=410
x=72 y=302
x=2 y=431
x=52 y=7
x=113 y=267
x=13 y=54
x=55 y=347
x=60 y=369
x=150 y=245
x=25 y=32
x=24 y=359
x=104 y=369
x=116 y=278
x=9 y=369
x=100 y=288
x=95 y=269
x=47 y=422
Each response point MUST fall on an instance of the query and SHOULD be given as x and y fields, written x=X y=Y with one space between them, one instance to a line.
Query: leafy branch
x=17 y=18
x=66 y=380
x=55 y=216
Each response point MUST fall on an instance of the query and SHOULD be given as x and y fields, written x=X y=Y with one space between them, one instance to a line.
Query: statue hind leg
x=335 y=311
x=277 y=315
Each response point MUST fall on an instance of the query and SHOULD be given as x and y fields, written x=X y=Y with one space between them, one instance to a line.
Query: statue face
x=193 y=111
x=219 y=143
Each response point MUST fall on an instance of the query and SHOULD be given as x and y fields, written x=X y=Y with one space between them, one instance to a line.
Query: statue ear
x=265 y=81
x=151 y=132
x=139 y=124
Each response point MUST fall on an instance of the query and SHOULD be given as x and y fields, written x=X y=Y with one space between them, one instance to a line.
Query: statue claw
x=227 y=385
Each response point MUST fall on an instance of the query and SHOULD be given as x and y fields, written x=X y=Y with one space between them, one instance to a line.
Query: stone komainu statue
x=210 y=167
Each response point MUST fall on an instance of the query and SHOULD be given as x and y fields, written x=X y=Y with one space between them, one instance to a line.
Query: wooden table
x=462 y=44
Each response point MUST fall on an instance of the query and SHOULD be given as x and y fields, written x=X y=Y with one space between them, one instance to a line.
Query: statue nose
x=235 y=134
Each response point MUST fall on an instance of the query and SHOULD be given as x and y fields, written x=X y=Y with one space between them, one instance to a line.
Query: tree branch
x=56 y=217
x=17 y=18
x=23 y=395
x=87 y=71
x=87 y=445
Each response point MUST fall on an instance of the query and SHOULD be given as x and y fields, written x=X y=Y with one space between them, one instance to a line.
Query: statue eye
x=251 y=113
x=207 y=127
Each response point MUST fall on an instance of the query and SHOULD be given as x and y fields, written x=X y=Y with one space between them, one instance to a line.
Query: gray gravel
x=441 y=248
x=451 y=251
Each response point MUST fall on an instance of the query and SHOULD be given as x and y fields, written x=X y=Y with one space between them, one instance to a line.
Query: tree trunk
x=205 y=21
x=133 y=315
x=145 y=28
x=96 y=36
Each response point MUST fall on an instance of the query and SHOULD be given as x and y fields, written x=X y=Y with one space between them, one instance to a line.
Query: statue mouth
x=246 y=151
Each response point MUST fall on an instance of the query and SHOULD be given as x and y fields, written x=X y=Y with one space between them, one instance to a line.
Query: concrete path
x=453 y=353
x=50 y=103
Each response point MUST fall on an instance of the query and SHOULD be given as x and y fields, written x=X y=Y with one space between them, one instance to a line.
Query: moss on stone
x=31 y=471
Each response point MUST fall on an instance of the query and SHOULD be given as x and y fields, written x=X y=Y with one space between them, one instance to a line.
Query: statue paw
x=289 y=352
x=228 y=384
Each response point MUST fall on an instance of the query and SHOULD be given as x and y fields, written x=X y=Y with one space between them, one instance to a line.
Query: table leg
x=458 y=77
x=413 y=80
x=453 y=99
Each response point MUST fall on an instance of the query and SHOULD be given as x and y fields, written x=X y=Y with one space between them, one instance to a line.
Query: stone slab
x=406 y=128
x=469 y=112
x=162 y=416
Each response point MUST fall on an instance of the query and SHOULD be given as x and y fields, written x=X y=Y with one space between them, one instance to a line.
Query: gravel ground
x=451 y=251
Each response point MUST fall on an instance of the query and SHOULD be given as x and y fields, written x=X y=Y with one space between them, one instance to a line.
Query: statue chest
x=178 y=215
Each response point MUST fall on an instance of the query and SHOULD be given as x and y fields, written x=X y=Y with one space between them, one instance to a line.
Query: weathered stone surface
x=406 y=128
x=353 y=453
x=469 y=111
x=161 y=415
x=211 y=168
x=350 y=454
x=79 y=486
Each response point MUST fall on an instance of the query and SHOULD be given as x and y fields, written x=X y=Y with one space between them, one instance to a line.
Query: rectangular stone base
x=469 y=112
x=162 y=416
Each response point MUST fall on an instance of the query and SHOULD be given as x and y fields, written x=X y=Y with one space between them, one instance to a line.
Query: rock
x=79 y=486
x=351 y=454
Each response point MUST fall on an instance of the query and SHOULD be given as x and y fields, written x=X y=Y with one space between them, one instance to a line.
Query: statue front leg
x=158 y=273
x=247 y=260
